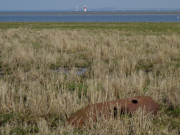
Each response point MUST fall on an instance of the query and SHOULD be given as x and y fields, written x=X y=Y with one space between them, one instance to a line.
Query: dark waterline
x=89 y=17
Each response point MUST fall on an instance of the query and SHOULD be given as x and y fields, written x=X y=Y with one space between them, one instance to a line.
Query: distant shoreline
x=74 y=13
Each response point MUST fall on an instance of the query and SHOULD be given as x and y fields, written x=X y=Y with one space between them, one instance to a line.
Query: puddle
x=82 y=71
x=75 y=70
x=61 y=70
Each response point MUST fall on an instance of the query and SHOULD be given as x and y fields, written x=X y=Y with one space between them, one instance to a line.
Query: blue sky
x=91 y=4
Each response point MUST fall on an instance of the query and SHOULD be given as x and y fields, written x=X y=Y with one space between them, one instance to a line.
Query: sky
x=18 y=5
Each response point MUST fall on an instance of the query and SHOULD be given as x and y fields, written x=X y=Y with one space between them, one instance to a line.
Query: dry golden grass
x=35 y=97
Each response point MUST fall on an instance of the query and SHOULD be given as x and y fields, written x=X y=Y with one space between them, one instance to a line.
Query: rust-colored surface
x=105 y=109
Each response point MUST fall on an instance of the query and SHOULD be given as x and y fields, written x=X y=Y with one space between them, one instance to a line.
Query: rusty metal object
x=106 y=109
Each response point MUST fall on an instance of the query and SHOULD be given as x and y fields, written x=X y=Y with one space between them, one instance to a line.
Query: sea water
x=89 y=17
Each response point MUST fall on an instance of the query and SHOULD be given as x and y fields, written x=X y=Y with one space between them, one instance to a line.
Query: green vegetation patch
x=5 y=118
x=135 y=26
x=81 y=88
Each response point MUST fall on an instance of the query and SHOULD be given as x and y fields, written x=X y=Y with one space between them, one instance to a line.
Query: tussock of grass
x=35 y=97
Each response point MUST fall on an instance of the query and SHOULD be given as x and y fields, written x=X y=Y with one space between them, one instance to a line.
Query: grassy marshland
x=122 y=60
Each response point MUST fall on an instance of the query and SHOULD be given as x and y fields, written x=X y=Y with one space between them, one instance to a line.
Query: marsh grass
x=137 y=27
x=35 y=100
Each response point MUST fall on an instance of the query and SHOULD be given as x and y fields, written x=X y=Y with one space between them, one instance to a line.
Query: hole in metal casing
x=134 y=101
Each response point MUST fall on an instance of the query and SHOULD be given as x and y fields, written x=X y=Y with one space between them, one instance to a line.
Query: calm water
x=91 y=18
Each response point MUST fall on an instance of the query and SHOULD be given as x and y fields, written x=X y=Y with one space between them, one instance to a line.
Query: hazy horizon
x=71 y=5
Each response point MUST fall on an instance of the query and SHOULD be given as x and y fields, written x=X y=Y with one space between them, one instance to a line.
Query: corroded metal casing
x=106 y=109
